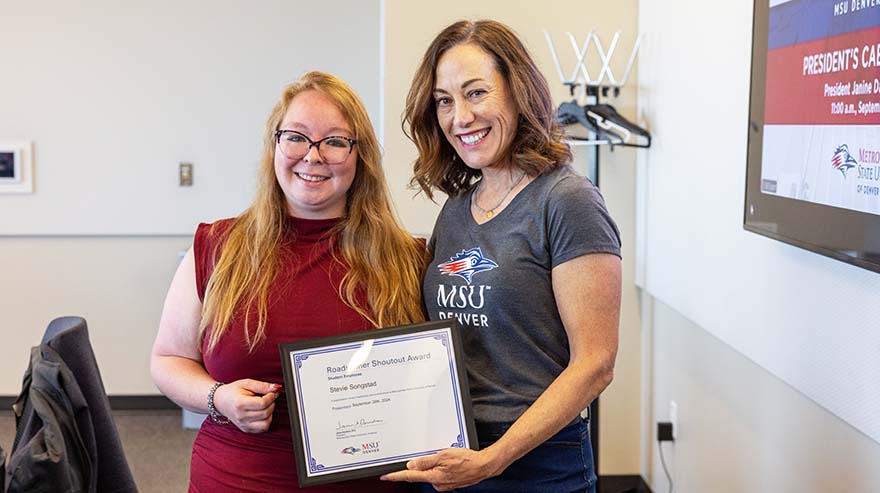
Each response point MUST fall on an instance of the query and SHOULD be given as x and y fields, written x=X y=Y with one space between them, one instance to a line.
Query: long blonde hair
x=384 y=260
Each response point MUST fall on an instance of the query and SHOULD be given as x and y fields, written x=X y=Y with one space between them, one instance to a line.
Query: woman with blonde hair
x=318 y=253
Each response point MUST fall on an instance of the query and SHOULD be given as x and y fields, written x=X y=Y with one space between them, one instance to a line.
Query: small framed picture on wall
x=16 y=167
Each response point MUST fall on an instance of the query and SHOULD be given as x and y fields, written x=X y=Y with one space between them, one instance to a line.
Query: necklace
x=490 y=212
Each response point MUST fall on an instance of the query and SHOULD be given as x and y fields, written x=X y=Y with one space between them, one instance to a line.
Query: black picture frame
x=293 y=403
x=7 y=165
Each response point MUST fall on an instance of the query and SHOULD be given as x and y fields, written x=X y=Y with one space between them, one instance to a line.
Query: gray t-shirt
x=495 y=279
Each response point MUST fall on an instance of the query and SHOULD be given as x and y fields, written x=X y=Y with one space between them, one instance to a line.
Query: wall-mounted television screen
x=813 y=176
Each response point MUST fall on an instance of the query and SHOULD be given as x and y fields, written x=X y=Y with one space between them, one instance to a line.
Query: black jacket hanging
x=2 y=470
x=54 y=448
x=66 y=438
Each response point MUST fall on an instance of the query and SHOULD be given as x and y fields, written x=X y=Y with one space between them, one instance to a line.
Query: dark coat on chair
x=2 y=469
x=54 y=447
x=66 y=439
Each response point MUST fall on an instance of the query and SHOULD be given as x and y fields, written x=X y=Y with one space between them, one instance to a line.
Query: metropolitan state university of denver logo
x=365 y=448
x=466 y=263
x=843 y=160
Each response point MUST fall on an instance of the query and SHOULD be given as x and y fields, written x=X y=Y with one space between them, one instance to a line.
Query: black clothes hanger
x=571 y=113
x=610 y=114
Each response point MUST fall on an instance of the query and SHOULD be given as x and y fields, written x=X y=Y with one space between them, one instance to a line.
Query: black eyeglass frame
x=315 y=143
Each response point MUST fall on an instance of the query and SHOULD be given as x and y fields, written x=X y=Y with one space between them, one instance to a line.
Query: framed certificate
x=363 y=404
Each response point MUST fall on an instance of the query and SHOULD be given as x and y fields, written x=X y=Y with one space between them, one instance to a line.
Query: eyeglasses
x=295 y=145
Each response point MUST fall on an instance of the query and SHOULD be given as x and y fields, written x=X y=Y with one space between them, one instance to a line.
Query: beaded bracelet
x=212 y=411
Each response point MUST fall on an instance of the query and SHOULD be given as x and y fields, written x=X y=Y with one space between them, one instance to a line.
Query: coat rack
x=583 y=78
x=604 y=125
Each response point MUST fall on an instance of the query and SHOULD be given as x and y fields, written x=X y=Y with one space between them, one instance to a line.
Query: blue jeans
x=564 y=463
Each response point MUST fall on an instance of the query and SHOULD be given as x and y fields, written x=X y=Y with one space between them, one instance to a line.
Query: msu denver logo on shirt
x=466 y=264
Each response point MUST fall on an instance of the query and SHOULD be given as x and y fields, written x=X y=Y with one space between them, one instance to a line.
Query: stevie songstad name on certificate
x=361 y=398
x=380 y=401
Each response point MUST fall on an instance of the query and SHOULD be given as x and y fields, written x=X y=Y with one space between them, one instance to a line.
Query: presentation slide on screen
x=822 y=107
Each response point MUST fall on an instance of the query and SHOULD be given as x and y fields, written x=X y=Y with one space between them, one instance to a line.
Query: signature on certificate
x=360 y=423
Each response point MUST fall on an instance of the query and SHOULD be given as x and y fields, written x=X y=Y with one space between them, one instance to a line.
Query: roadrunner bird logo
x=842 y=160
x=466 y=264
x=350 y=450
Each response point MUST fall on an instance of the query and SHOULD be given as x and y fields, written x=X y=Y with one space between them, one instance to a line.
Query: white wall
x=410 y=27
x=738 y=314
x=116 y=94
x=742 y=429
x=104 y=71
x=117 y=284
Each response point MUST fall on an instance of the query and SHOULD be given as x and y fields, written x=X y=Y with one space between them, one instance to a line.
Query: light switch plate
x=185 y=172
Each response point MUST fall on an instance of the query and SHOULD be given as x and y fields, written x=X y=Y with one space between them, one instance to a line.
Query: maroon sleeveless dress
x=303 y=303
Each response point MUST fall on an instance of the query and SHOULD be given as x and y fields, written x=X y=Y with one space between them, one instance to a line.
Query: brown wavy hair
x=383 y=259
x=537 y=146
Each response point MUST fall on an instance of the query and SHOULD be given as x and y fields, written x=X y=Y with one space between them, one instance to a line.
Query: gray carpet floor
x=156 y=446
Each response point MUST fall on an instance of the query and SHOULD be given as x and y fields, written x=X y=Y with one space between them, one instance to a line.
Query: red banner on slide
x=796 y=97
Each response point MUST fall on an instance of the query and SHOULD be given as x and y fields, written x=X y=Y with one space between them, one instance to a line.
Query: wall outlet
x=664 y=432
x=673 y=418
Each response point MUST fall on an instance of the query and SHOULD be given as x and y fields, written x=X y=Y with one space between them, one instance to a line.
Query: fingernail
x=276 y=386
x=384 y=478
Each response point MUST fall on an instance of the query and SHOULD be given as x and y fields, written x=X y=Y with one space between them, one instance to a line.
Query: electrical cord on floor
x=663 y=462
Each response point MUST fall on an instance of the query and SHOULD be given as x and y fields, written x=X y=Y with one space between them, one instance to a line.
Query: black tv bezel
x=849 y=236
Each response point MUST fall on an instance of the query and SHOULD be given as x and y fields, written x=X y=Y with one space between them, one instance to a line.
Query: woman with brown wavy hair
x=318 y=253
x=524 y=255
